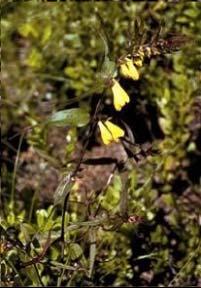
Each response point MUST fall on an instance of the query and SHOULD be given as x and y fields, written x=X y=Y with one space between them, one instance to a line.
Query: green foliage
x=141 y=227
x=72 y=117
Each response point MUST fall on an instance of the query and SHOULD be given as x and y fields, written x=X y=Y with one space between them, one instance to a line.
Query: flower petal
x=115 y=130
x=105 y=134
x=124 y=70
x=120 y=97
x=110 y=132
x=129 y=70
x=134 y=74
x=138 y=62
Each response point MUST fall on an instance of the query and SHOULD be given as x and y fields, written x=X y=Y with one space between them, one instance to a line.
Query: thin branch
x=15 y=170
x=91 y=129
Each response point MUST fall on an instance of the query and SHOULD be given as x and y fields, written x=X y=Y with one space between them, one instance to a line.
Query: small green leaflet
x=75 y=251
x=108 y=69
x=63 y=189
x=71 y=117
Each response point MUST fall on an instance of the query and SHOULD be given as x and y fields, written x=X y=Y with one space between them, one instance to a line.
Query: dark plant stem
x=89 y=134
x=39 y=278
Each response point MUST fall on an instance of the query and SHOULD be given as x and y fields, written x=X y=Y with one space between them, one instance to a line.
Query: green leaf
x=46 y=34
x=75 y=251
x=92 y=251
x=27 y=230
x=35 y=59
x=62 y=266
x=72 y=117
x=27 y=29
x=33 y=276
x=63 y=189
x=108 y=69
x=72 y=72
x=112 y=197
x=41 y=216
x=192 y=12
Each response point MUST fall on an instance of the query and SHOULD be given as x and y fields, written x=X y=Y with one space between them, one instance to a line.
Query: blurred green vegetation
x=52 y=54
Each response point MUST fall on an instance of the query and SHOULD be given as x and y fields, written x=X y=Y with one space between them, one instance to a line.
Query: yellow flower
x=138 y=62
x=120 y=97
x=110 y=132
x=138 y=59
x=129 y=70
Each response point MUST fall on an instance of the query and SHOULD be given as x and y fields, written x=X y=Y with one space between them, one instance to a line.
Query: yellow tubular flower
x=120 y=97
x=129 y=70
x=138 y=62
x=124 y=70
x=110 y=132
